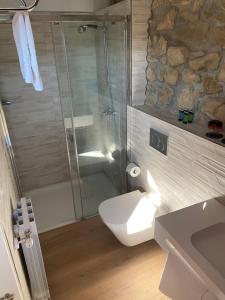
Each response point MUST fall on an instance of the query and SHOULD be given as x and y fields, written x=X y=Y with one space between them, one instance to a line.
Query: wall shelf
x=195 y=128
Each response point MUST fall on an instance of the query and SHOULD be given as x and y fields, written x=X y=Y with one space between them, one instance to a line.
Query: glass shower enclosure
x=91 y=60
x=69 y=141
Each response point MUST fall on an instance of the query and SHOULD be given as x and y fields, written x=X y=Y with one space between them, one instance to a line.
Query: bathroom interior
x=116 y=146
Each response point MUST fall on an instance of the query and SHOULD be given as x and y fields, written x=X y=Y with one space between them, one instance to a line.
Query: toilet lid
x=118 y=210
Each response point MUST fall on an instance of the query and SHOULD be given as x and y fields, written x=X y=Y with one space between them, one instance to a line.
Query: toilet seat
x=130 y=217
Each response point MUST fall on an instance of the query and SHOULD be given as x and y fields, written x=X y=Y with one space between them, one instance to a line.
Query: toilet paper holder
x=133 y=170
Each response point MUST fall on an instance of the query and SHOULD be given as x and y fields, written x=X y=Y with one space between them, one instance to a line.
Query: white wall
x=193 y=171
x=8 y=197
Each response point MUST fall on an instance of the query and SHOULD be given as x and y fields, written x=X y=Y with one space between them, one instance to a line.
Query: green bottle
x=190 y=117
x=186 y=117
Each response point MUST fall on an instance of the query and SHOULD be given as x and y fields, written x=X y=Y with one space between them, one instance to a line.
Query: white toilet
x=130 y=217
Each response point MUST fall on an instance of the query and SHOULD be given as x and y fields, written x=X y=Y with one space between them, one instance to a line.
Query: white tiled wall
x=193 y=170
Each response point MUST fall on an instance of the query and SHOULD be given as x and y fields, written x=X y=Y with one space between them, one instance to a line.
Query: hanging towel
x=24 y=40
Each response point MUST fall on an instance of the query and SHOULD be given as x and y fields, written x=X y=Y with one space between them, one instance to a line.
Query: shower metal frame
x=21 y=9
x=71 y=17
x=58 y=18
x=68 y=17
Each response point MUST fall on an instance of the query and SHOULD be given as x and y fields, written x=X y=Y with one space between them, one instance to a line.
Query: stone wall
x=186 y=57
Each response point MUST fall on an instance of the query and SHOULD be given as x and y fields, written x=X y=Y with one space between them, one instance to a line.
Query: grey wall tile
x=34 y=119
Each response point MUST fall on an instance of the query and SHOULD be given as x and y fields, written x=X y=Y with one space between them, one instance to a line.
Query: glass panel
x=67 y=112
x=96 y=61
x=112 y=75
x=36 y=129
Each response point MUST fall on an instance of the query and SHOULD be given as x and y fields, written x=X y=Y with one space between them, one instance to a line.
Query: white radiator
x=26 y=235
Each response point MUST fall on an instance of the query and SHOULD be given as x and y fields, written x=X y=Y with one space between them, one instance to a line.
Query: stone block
x=221 y=74
x=165 y=95
x=185 y=99
x=160 y=72
x=214 y=109
x=150 y=73
x=168 y=21
x=197 y=5
x=211 y=86
x=188 y=76
x=159 y=46
x=171 y=76
x=177 y=55
x=207 y=62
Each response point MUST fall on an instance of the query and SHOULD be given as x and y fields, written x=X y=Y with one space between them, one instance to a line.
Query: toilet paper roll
x=133 y=170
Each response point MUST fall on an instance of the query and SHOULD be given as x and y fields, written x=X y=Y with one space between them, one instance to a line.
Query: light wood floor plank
x=84 y=262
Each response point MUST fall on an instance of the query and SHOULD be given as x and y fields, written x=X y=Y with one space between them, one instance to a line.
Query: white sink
x=210 y=242
x=196 y=235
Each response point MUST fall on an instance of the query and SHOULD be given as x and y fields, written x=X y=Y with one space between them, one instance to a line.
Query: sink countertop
x=178 y=228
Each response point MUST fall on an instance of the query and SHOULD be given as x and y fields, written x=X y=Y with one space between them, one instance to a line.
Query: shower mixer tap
x=109 y=111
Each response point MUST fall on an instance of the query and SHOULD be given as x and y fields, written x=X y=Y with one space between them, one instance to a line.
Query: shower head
x=23 y=2
x=83 y=28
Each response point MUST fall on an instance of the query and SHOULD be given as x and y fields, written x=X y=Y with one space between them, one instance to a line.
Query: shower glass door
x=92 y=71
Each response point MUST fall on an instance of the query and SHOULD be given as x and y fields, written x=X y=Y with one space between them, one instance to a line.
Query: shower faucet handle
x=109 y=111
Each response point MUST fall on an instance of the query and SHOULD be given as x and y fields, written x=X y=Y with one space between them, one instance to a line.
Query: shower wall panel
x=34 y=118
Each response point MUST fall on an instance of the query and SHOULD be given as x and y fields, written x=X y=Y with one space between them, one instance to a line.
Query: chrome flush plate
x=158 y=141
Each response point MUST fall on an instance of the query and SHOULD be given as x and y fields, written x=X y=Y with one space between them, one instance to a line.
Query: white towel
x=24 y=40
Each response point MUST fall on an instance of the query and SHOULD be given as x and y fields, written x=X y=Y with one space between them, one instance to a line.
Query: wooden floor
x=85 y=262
